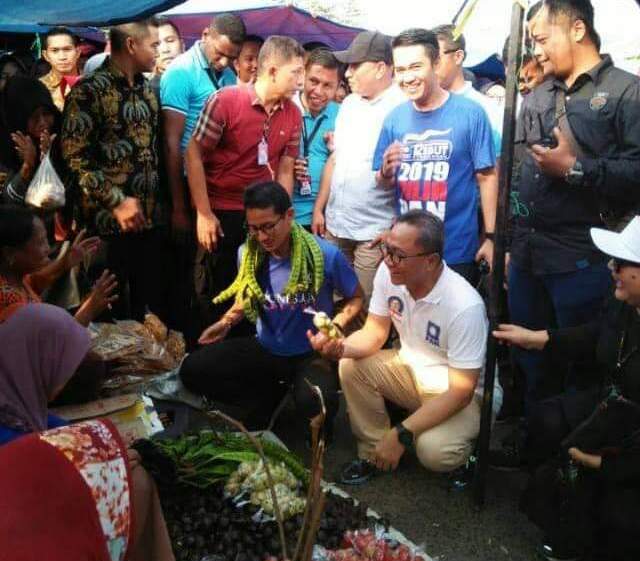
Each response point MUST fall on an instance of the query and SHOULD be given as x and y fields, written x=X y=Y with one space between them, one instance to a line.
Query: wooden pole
x=497 y=277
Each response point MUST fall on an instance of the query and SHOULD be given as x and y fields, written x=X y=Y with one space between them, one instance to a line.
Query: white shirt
x=494 y=112
x=358 y=209
x=446 y=328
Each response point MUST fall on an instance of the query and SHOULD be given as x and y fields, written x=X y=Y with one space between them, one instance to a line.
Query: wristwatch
x=575 y=174
x=405 y=436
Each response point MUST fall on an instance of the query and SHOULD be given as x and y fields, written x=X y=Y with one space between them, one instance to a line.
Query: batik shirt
x=109 y=142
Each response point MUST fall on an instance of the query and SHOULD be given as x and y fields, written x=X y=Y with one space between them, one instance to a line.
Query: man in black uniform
x=582 y=167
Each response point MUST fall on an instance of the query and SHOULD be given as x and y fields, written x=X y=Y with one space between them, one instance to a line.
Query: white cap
x=624 y=245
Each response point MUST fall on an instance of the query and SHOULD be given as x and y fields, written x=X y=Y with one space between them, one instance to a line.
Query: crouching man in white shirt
x=436 y=374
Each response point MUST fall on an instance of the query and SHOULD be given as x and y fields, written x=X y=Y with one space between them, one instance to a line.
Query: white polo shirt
x=448 y=327
x=358 y=209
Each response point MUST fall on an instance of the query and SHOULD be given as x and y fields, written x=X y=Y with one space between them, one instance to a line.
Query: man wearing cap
x=351 y=209
x=435 y=152
x=611 y=341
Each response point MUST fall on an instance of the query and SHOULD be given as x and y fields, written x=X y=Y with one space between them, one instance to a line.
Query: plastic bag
x=46 y=189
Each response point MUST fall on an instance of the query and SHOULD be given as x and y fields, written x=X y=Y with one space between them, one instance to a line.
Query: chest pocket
x=593 y=123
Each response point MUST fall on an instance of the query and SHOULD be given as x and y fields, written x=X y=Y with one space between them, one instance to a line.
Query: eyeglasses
x=264 y=228
x=616 y=264
x=396 y=258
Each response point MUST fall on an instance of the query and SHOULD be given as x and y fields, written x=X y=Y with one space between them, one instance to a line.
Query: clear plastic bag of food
x=46 y=189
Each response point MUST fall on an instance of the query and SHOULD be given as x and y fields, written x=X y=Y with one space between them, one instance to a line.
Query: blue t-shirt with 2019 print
x=282 y=325
x=444 y=149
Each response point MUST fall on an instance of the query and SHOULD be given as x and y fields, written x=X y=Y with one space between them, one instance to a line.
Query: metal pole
x=462 y=7
x=497 y=276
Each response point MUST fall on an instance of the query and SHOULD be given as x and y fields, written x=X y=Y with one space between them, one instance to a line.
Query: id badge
x=263 y=152
x=305 y=188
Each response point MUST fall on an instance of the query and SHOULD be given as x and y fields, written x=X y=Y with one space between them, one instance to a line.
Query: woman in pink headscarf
x=74 y=492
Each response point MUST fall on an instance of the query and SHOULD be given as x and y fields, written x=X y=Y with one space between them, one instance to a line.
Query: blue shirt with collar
x=318 y=155
x=187 y=84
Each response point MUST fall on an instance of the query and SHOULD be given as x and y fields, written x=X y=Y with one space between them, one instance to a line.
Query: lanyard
x=308 y=139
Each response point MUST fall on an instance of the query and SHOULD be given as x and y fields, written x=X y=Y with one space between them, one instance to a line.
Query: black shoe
x=550 y=553
x=507 y=458
x=357 y=472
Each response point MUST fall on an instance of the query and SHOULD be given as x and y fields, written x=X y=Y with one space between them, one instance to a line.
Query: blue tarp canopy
x=32 y=16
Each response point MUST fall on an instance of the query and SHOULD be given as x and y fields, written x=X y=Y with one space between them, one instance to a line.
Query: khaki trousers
x=367 y=382
x=365 y=261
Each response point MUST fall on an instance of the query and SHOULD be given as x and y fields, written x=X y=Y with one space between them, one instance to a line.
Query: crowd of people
x=359 y=186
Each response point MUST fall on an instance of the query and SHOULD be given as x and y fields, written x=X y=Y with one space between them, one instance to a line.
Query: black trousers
x=141 y=262
x=213 y=272
x=242 y=373
x=469 y=271
x=551 y=420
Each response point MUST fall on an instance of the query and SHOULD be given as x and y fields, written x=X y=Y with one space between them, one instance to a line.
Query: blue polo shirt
x=187 y=84
x=318 y=156
x=282 y=325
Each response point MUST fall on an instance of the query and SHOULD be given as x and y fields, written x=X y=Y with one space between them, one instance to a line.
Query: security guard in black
x=602 y=107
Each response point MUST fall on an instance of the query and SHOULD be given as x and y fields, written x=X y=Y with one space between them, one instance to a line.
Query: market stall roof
x=273 y=20
x=18 y=16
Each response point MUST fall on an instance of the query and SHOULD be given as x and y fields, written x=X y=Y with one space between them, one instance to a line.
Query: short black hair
x=575 y=10
x=533 y=10
x=269 y=194
x=283 y=49
x=430 y=227
x=313 y=45
x=418 y=36
x=251 y=38
x=119 y=34
x=16 y=226
x=60 y=30
x=162 y=21
x=446 y=33
x=325 y=58
x=231 y=26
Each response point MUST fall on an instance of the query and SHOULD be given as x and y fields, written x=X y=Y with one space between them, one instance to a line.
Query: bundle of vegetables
x=203 y=459
x=251 y=478
x=307 y=272
x=211 y=523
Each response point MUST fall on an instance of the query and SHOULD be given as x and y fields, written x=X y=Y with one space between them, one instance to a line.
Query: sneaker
x=357 y=472
x=554 y=554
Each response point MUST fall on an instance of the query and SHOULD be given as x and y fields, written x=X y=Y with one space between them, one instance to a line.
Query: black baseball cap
x=368 y=46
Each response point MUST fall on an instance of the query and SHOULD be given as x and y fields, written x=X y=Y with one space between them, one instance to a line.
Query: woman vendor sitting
x=79 y=477
x=608 y=490
x=26 y=270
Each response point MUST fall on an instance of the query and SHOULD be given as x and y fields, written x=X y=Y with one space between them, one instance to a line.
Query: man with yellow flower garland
x=284 y=274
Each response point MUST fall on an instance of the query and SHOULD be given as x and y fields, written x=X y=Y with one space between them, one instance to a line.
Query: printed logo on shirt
x=396 y=307
x=424 y=171
x=433 y=334
x=280 y=302
x=598 y=101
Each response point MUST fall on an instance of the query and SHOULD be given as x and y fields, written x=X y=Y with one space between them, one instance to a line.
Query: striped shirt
x=229 y=131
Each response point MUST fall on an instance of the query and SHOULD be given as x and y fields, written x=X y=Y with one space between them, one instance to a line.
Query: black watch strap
x=405 y=436
x=490 y=235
